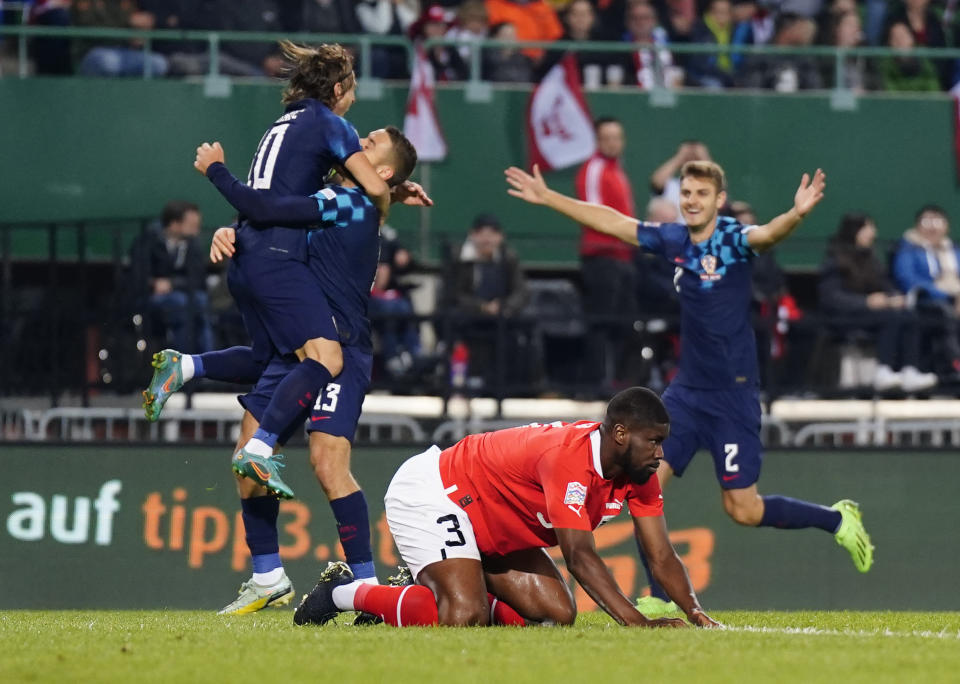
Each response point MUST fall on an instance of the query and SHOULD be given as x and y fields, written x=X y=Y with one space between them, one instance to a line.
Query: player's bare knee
x=464 y=613
x=325 y=352
x=743 y=513
x=563 y=613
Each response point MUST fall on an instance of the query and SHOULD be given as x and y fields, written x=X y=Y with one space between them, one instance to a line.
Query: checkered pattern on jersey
x=340 y=206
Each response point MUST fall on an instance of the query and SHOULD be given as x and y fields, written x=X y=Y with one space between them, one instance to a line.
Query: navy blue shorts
x=337 y=409
x=282 y=304
x=724 y=422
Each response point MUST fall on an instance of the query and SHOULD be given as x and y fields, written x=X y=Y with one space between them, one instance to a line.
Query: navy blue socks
x=655 y=589
x=260 y=524
x=235 y=364
x=793 y=514
x=295 y=393
x=353 y=526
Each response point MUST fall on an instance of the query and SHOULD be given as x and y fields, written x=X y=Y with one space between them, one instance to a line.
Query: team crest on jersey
x=709 y=263
x=576 y=494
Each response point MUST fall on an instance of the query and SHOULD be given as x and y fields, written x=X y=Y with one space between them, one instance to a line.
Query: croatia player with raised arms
x=472 y=523
x=714 y=401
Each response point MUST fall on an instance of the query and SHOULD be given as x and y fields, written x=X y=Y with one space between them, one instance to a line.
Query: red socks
x=398 y=606
x=415 y=605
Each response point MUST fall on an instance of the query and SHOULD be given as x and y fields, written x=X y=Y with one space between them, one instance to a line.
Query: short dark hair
x=930 y=209
x=603 y=121
x=486 y=221
x=850 y=224
x=404 y=156
x=314 y=72
x=636 y=407
x=175 y=210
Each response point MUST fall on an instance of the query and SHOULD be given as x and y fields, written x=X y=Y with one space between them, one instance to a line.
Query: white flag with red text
x=420 y=124
x=559 y=126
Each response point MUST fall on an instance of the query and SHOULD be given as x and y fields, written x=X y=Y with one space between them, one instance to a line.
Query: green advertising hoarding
x=159 y=527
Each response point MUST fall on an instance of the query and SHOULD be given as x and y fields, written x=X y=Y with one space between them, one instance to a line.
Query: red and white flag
x=559 y=126
x=420 y=124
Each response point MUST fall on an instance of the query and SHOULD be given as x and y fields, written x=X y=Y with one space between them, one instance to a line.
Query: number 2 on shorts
x=731 y=450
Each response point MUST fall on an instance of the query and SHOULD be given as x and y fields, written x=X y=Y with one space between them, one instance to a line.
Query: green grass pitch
x=158 y=646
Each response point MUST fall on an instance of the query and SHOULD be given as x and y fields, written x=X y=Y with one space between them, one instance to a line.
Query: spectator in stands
x=580 y=24
x=856 y=73
x=648 y=67
x=472 y=25
x=906 y=72
x=533 y=20
x=854 y=289
x=114 y=58
x=169 y=269
x=388 y=18
x=447 y=63
x=51 y=56
x=665 y=180
x=330 y=16
x=192 y=58
x=487 y=284
x=927 y=30
x=607 y=268
x=716 y=27
x=399 y=338
x=506 y=64
x=926 y=266
x=786 y=73
x=255 y=15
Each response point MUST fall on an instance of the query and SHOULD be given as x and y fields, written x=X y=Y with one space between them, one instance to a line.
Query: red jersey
x=601 y=180
x=517 y=485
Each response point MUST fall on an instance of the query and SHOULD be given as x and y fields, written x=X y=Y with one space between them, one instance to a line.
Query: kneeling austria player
x=473 y=521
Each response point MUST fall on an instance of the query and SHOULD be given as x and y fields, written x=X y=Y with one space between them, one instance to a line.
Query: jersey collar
x=595 y=451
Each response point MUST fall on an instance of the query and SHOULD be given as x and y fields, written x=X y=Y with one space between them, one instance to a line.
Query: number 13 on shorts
x=327 y=400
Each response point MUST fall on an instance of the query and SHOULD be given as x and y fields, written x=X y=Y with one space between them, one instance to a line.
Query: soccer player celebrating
x=713 y=402
x=285 y=310
x=472 y=522
x=343 y=258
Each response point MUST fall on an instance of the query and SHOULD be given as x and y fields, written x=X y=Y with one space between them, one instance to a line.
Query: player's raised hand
x=810 y=192
x=533 y=188
x=412 y=194
x=207 y=154
x=221 y=247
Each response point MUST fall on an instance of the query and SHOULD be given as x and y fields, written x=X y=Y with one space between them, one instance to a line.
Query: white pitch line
x=925 y=634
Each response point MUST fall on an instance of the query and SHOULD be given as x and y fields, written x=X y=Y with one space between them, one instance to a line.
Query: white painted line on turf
x=925 y=634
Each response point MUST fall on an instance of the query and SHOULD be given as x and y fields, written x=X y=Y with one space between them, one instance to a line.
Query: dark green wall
x=76 y=148
x=176 y=540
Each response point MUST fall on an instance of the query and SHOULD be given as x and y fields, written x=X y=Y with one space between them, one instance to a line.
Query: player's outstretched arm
x=808 y=195
x=533 y=189
x=376 y=188
x=259 y=206
x=667 y=568
x=589 y=570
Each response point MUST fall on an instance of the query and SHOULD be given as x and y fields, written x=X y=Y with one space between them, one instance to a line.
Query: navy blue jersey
x=717 y=345
x=293 y=158
x=343 y=257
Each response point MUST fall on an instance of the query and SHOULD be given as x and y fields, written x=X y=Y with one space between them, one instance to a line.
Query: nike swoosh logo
x=263 y=476
x=728 y=478
x=314 y=419
x=166 y=385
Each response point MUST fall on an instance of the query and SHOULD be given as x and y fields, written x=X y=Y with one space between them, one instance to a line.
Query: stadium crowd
x=655 y=25
x=481 y=325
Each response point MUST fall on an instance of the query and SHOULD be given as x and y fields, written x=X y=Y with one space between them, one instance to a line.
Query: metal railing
x=477 y=89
